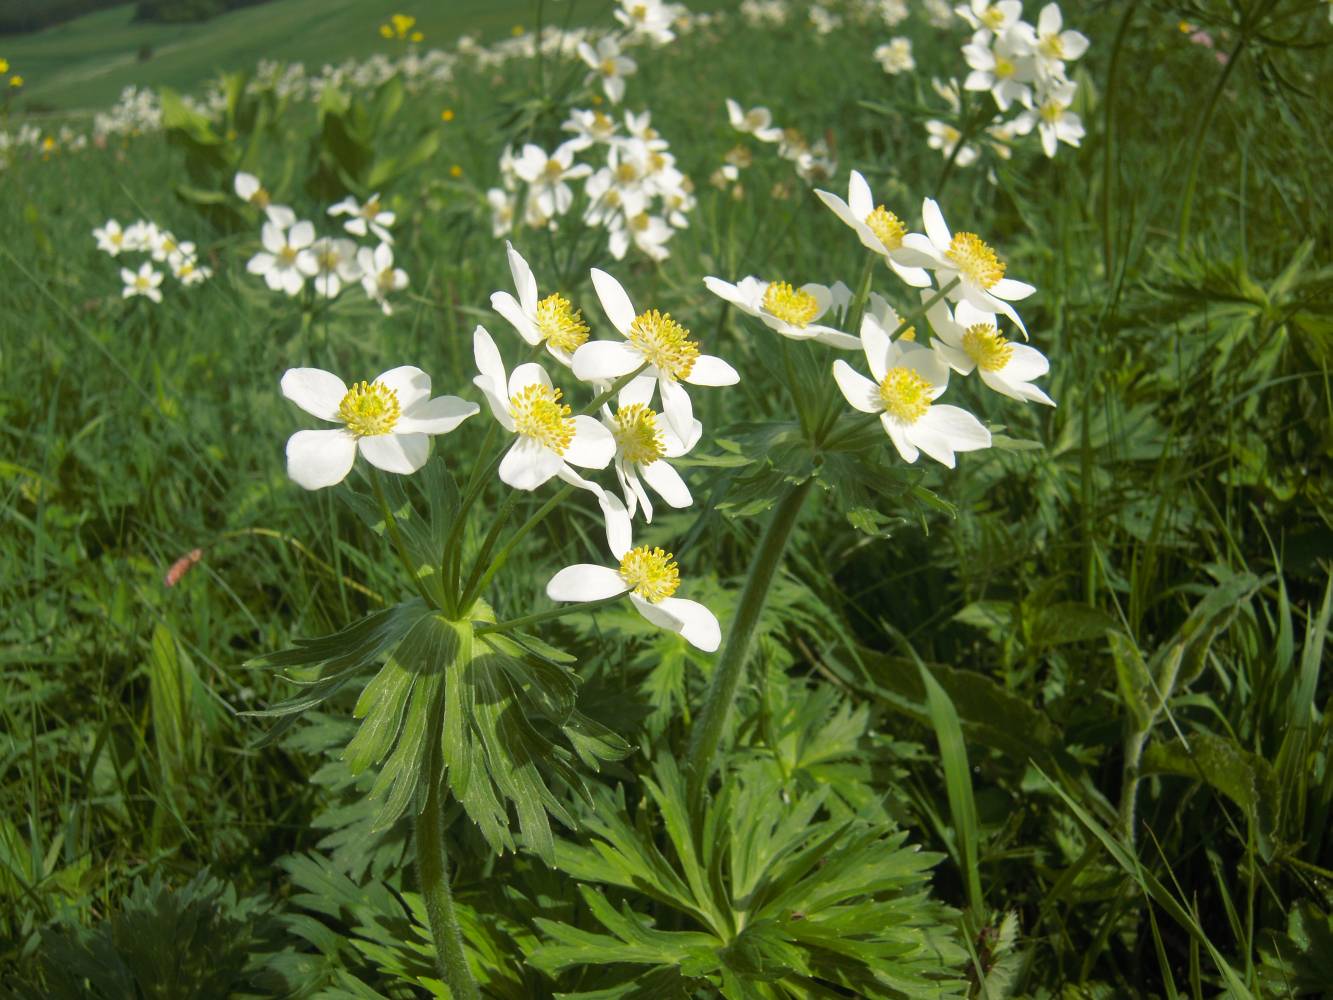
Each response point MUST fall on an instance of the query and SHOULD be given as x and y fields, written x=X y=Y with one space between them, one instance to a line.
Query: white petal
x=524 y=282
x=593 y=446
x=726 y=290
x=859 y=391
x=917 y=277
x=487 y=356
x=507 y=306
x=709 y=370
x=656 y=614
x=314 y=390
x=436 y=416
x=410 y=383
x=859 y=199
x=700 y=626
x=272 y=238
x=1014 y=389
x=619 y=310
x=528 y=463
x=875 y=340
x=935 y=225
x=638 y=390
x=585 y=582
x=400 y=453
x=667 y=483
x=525 y=375
x=1025 y=364
x=316 y=459
x=605 y=360
x=836 y=338
x=898 y=435
x=301 y=235
x=1011 y=290
x=963 y=431
x=676 y=406
x=918 y=251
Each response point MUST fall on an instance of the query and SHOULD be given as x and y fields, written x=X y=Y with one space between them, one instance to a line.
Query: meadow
x=742 y=667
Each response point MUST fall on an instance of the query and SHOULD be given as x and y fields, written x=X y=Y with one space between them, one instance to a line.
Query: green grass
x=1084 y=673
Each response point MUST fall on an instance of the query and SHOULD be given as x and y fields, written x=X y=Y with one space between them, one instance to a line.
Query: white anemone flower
x=369 y=218
x=248 y=189
x=895 y=56
x=656 y=340
x=547 y=176
x=525 y=403
x=757 y=122
x=286 y=260
x=650 y=577
x=590 y=128
x=379 y=278
x=335 y=260
x=1002 y=65
x=390 y=421
x=607 y=62
x=968 y=340
x=502 y=204
x=878 y=228
x=789 y=311
x=945 y=137
x=908 y=380
x=1051 y=117
x=996 y=17
x=643 y=444
x=1053 y=46
x=970 y=260
x=110 y=238
x=144 y=282
x=185 y=266
x=552 y=320
x=140 y=236
x=648 y=19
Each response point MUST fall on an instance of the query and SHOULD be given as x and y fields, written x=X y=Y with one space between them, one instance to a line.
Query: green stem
x=1187 y=202
x=1108 y=131
x=712 y=722
x=502 y=556
x=391 y=525
x=488 y=543
x=432 y=867
x=616 y=386
x=542 y=616
x=858 y=307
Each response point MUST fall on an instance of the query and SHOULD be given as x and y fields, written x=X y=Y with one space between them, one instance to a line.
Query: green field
x=978 y=698
x=85 y=63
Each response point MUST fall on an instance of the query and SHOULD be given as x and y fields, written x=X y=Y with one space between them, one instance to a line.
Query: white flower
x=110 y=238
x=164 y=245
x=1001 y=65
x=966 y=257
x=547 y=176
x=656 y=340
x=895 y=56
x=894 y=12
x=248 y=189
x=525 y=403
x=335 y=262
x=145 y=282
x=945 y=138
x=390 y=421
x=996 y=17
x=286 y=260
x=607 y=62
x=370 y=218
x=649 y=234
x=185 y=267
x=968 y=341
x=789 y=311
x=502 y=204
x=140 y=236
x=590 y=128
x=643 y=444
x=648 y=19
x=1051 y=116
x=757 y=122
x=1054 y=47
x=553 y=319
x=908 y=380
x=878 y=228
x=650 y=577
x=379 y=278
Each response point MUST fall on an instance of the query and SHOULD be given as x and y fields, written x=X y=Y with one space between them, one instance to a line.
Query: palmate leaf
x=781 y=900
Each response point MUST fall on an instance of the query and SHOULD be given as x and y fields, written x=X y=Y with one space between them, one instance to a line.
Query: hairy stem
x=391 y=526
x=432 y=867
x=712 y=722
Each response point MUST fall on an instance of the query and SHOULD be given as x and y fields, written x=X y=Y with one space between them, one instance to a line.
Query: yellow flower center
x=986 y=347
x=187 y=269
x=638 y=438
x=539 y=414
x=627 y=173
x=370 y=409
x=117 y=239
x=908 y=334
x=329 y=259
x=754 y=119
x=1052 y=110
x=791 y=305
x=639 y=12
x=560 y=324
x=975 y=260
x=1004 y=68
x=260 y=198
x=1051 y=47
x=385 y=281
x=992 y=17
x=142 y=282
x=905 y=394
x=601 y=123
x=608 y=67
x=287 y=256
x=370 y=209
x=887 y=227
x=554 y=170
x=650 y=573
x=664 y=343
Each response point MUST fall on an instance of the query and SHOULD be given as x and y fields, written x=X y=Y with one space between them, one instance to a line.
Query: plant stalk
x=433 y=870
x=712 y=722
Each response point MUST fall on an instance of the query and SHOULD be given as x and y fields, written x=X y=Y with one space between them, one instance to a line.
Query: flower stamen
x=664 y=343
x=905 y=394
x=370 y=409
x=651 y=573
x=887 y=227
x=560 y=324
x=791 y=305
x=975 y=260
x=984 y=345
x=638 y=438
x=539 y=414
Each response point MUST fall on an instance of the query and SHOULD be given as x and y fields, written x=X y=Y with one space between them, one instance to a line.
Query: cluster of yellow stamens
x=651 y=573
x=627 y=173
x=329 y=258
x=1051 y=46
x=975 y=260
x=664 y=343
x=1004 y=68
x=370 y=209
x=554 y=169
x=539 y=414
x=992 y=17
x=369 y=409
x=984 y=345
x=791 y=305
x=560 y=324
x=637 y=435
x=887 y=227
x=260 y=198
x=287 y=255
x=905 y=394
x=607 y=67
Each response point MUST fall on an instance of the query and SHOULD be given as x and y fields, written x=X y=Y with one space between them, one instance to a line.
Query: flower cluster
x=1024 y=66
x=813 y=161
x=293 y=253
x=15 y=80
x=162 y=247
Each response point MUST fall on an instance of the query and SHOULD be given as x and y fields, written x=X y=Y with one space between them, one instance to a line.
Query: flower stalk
x=432 y=866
